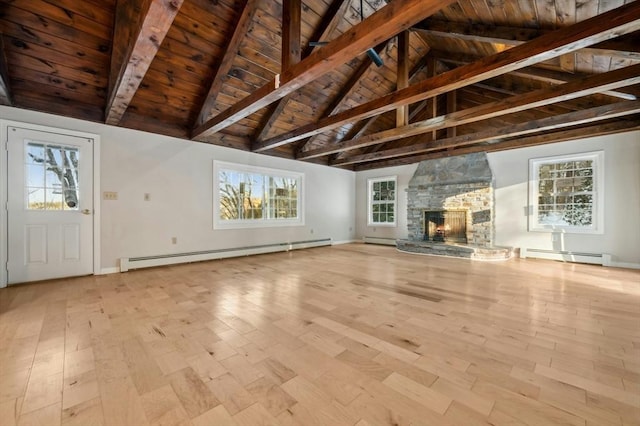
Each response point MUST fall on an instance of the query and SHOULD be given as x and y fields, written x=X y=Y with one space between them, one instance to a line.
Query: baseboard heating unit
x=383 y=241
x=127 y=263
x=567 y=256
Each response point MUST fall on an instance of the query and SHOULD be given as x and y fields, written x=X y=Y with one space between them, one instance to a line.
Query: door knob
x=86 y=211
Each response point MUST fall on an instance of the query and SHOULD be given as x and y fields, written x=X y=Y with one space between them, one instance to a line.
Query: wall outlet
x=110 y=195
x=174 y=240
x=312 y=231
x=147 y=196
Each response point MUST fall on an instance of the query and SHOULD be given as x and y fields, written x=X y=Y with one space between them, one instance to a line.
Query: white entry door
x=50 y=205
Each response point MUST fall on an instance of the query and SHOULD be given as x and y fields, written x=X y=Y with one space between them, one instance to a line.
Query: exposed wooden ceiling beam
x=610 y=24
x=556 y=122
x=617 y=78
x=382 y=25
x=327 y=25
x=362 y=126
x=224 y=66
x=426 y=109
x=345 y=91
x=599 y=129
x=402 y=75
x=5 y=91
x=291 y=21
x=625 y=47
x=532 y=73
x=141 y=49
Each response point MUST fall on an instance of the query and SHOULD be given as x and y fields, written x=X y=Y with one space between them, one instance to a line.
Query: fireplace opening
x=445 y=226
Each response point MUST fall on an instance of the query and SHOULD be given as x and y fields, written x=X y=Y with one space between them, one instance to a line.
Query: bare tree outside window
x=52 y=177
x=255 y=196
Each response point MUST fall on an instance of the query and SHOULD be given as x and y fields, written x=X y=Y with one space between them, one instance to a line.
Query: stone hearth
x=462 y=183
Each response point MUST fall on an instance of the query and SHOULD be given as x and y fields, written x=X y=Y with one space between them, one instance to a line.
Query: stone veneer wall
x=456 y=183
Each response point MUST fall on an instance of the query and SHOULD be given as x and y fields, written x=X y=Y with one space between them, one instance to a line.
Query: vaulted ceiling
x=457 y=77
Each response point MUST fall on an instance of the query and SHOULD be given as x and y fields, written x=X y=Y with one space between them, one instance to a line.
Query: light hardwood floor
x=347 y=335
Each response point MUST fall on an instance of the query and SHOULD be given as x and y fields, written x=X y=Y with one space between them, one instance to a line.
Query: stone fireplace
x=450 y=208
x=445 y=226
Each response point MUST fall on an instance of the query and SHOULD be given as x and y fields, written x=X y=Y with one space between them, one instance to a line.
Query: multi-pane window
x=51 y=177
x=251 y=196
x=566 y=193
x=382 y=201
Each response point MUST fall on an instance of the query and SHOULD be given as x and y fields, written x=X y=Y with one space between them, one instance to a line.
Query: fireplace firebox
x=445 y=226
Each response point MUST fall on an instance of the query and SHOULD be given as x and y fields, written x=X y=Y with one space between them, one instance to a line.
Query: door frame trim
x=4 y=189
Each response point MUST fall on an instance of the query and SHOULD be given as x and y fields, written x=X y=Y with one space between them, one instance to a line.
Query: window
x=51 y=177
x=566 y=193
x=246 y=196
x=382 y=201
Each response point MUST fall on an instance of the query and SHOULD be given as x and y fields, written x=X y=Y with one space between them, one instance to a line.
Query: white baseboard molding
x=566 y=256
x=337 y=243
x=378 y=240
x=127 y=263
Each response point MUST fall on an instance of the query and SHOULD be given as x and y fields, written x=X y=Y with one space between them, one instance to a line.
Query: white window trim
x=370 y=183
x=255 y=223
x=597 y=227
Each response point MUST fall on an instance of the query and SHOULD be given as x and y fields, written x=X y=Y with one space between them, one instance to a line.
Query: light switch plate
x=110 y=195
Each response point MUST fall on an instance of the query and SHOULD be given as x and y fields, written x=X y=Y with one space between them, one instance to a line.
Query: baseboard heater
x=567 y=256
x=383 y=241
x=127 y=263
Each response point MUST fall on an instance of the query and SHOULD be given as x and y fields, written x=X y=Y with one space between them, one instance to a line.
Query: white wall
x=621 y=237
x=178 y=174
x=404 y=174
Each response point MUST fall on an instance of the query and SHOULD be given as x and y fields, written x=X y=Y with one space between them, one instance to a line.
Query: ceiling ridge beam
x=555 y=122
x=617 y=78
x=224 y=66
x=147 y=39
x=327 y=25
x=382 y=25
x=598 y=129
x=602 y=27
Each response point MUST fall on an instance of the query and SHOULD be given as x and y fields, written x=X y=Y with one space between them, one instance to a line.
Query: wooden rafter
x=151 y=30
x=532 y=73
x=327 y=25
x=402 y=81
x=610 y=24
x=382 y=25
x=556 y=122
x=589 y=130
x=345 y=91
x=617 y=78
x=362 y=126
x=291 y=21
x=5 y=92
x=625 y=47
x=241 y=28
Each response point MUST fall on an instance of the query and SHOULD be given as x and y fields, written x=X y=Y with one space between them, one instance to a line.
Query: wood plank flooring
x=346 y=335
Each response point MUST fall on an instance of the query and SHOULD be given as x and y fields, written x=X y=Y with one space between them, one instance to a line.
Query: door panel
x=36 y=244
x=50 y=205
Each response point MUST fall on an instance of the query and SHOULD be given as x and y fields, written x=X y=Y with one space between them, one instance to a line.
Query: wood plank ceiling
x=457 y=77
